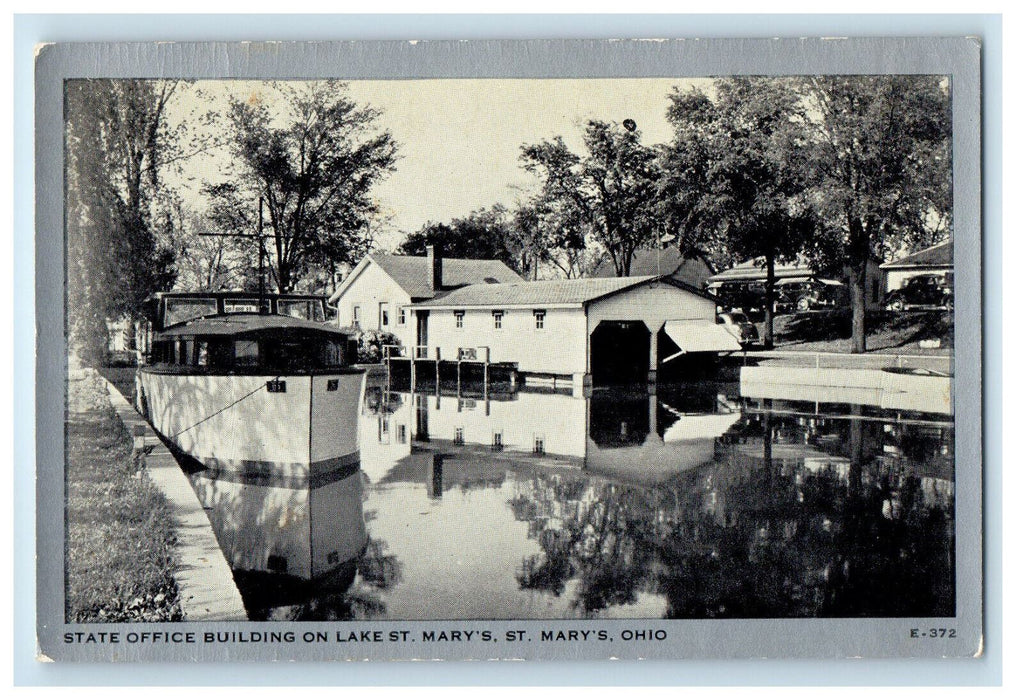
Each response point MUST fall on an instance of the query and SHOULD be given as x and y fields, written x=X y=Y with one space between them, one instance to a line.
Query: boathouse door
x=422 y=332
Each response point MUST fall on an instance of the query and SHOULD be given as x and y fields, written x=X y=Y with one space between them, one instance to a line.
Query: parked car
x=810 y=295
x=739 y=327
x=921 y=291
x=745 y=295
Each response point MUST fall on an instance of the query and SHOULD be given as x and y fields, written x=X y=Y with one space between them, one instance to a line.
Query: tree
x=608 y=192
x=737 y=168
x=117 y=142
x=314 y=157
x=881 y=170
x=485 y=234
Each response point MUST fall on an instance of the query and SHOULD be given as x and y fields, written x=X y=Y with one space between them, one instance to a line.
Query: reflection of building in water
x=641 y=437
x=301 y=528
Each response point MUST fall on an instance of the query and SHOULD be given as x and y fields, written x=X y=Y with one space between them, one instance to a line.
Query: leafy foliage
x=605 y=194
x=117 y=140
x=315 y=168
x=881 y=169
x=485 y=234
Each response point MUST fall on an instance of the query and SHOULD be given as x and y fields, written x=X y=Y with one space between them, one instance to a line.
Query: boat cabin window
x=181 y=310
x=246 y=353
x=308 y=309
x=241 y=306
x=270 y=354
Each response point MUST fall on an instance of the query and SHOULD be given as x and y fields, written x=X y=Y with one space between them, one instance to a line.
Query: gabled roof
x=668 y=261
x=539 y=293
x=415 y=276
x=935 y=256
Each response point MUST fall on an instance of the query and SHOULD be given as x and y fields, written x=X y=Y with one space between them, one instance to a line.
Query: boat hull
x=271 y=425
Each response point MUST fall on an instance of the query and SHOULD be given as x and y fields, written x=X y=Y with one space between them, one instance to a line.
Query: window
x=498 y=319
x=459 y=319
x=459 y=436
x=401 y=316
x=180 y=310
x=498 y=443
x=402 y=434
x=308 y=309
x=385 y=319
x=538 y=445
x=355 y=317
x=241 y=306
x=246 y=353
x=538 y=317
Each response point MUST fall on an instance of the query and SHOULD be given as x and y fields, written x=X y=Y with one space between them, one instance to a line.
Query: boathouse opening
x=619 y=353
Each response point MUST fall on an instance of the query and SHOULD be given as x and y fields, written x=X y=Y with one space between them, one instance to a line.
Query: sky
x=458 y=140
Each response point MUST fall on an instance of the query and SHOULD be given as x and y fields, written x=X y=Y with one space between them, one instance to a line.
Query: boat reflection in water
x=294 y=543
x=695 y=502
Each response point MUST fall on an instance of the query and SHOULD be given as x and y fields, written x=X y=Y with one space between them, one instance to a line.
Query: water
x=695 y=502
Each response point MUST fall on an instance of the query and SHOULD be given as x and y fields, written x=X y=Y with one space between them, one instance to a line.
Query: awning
x=700 y=336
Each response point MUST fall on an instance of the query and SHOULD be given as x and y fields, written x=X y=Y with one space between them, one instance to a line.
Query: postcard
x=543 y=350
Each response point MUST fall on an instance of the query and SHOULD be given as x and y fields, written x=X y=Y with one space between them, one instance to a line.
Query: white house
x=379 y=292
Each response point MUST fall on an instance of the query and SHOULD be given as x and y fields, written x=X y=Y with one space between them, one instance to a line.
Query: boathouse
x=599 y=331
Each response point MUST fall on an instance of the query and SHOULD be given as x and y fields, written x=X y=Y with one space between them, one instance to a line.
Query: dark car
x=739 y=327
x=811 y=295
x=921 y=291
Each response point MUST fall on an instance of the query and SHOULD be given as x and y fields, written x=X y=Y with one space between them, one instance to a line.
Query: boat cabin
x=225 y=332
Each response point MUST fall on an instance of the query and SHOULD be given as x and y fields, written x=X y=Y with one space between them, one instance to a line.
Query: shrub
x=371 y=344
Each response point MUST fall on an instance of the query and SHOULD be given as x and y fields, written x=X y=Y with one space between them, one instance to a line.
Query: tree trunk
x=769 y=304
x=857 y=298
x=859 y=249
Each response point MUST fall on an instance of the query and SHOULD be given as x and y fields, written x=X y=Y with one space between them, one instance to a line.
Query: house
x=380 y=290
x=936 y=260
x=692 y=270
x=746 y=280
x=597 y=330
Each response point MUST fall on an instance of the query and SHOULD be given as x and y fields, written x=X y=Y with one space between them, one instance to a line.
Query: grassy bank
x=119 y=531
x=886 y=333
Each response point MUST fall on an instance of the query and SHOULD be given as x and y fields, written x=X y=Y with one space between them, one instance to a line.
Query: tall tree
x=314 y=156
x=552 y=234
x=117 y=142
x=737 y=167
x=881 y=171
x=610 y=189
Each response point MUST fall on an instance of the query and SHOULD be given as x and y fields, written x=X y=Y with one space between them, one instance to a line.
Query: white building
x=379 y=292
x=592 y=330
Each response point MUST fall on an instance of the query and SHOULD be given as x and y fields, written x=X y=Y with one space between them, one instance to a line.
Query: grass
x=120 y=537
x=887 y=333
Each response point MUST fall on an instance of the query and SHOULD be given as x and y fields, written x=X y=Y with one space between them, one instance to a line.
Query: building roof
x=936 y=256
x=539 y=293
x=756 y=270
x=657 y=262
x=415 y=276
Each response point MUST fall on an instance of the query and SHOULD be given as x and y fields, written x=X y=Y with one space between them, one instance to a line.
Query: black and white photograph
x=603 y=356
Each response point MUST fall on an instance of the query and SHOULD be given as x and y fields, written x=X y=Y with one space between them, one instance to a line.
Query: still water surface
x=695 y=502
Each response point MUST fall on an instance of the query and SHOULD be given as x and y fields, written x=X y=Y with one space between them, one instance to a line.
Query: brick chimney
x=436 y=264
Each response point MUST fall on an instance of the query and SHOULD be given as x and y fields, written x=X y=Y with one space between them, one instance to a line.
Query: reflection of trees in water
x=746 y=540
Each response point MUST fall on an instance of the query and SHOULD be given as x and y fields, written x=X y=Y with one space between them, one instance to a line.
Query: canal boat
x=256 y=385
